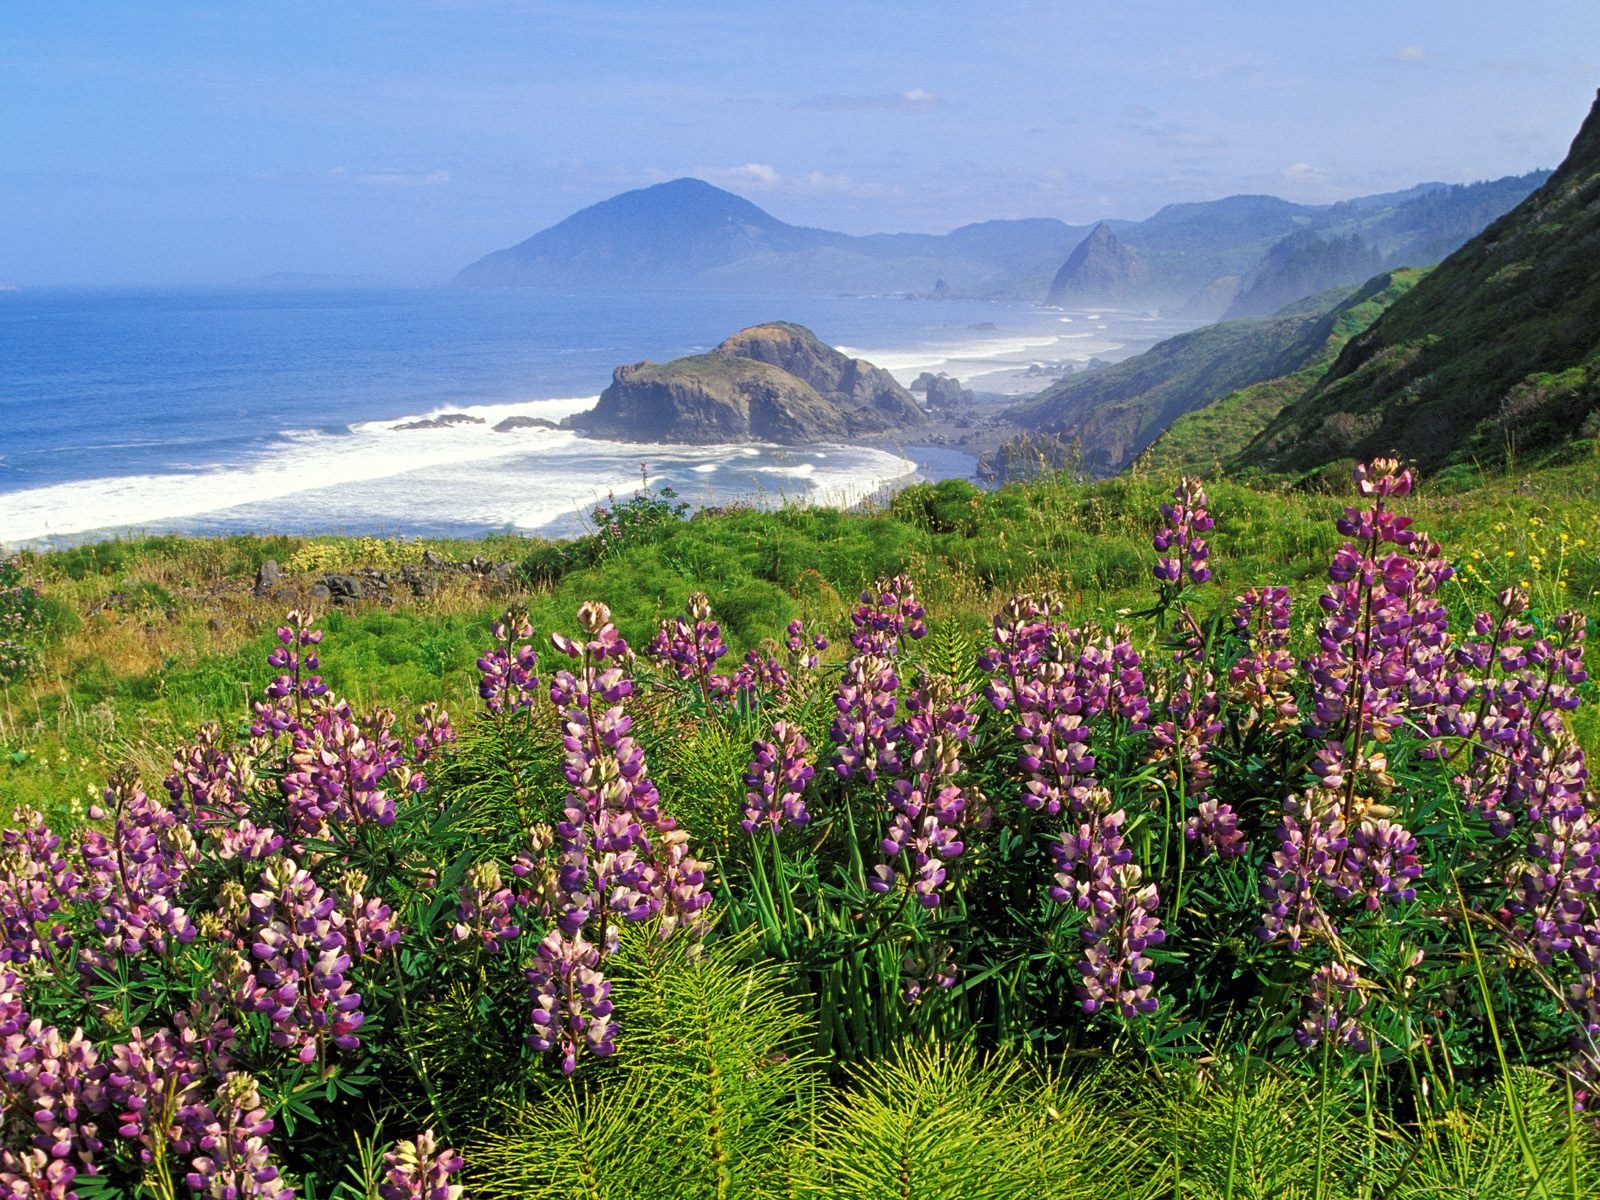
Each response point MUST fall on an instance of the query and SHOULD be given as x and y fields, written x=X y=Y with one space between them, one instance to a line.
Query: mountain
x=1101 y=270
x=1201 y=441
x=1187 y=258
x=1494 y=356
x=1193 y=256
x=1304 y=264
x=1116 y=413
x=770 y=383
x=689 y=234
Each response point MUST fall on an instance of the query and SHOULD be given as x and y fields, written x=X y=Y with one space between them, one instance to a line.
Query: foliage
x=21 y=622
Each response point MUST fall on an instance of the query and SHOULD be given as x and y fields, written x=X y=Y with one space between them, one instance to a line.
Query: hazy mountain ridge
x=1496 y=354
x=687 y=234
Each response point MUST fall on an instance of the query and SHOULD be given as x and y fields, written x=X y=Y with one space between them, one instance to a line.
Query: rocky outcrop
x=1100 y=270
x=768 y=383
x=444 y=421
x=512 y=424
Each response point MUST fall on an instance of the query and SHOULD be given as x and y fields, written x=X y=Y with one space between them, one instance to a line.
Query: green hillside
x=1202 y=440
x=1492 y=358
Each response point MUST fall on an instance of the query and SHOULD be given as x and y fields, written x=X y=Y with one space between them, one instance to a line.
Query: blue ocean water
x=266 y=411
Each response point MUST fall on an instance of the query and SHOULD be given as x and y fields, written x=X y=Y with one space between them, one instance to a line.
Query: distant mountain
x=689 y=234
x=1304 y=264
x=1187 y=258
x=1248 y=255
x=1116 y=413
x=1495 y=354
x=1101 y=270
x=771 y=383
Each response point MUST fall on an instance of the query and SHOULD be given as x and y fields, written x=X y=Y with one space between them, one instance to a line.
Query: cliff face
x=869 y=397
x=1100 y=270
x=1496 y=353
x=768 y=383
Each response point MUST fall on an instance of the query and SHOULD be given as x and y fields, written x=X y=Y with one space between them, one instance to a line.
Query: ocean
x=228 y=411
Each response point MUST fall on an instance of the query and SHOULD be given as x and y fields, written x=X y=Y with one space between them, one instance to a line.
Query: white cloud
x=1412 y=54
x=749 y=175
x=910 y=100
x=402 y=179
x=1306 y=175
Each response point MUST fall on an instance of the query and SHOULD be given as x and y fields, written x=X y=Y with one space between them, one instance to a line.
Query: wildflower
x=419 y=1170
x=777 y=777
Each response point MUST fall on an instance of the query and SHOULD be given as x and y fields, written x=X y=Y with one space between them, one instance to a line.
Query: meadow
x=1128 y=839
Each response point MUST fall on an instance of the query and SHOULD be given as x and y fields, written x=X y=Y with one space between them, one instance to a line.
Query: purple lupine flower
x=1261 y=677
x=571 y=1000
x=337 y=770
x=298 y=965
x=805 y=650
x=615 y=855
x=154 y=1083
x=134 y=876
x=36 y=880
x=1311 y=842
x=928 y=965
x=777 y=777
x=1214 y=827
x=888 y=613
x=691 y=647
x=51 y=1094
x=928 y=806
x=434 y=731
x=420 y=1170
x=864 y=729
x=1121 y=925
x=289 y=694
x=234 y=1160
x=1183 y=551
x=508 y=673
x=483 y=911
x=1333 y=1009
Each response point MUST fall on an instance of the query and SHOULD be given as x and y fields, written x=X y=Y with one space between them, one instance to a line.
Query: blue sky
x=177 y=141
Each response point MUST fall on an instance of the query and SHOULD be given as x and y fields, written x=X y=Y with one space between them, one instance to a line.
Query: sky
x=185 y=142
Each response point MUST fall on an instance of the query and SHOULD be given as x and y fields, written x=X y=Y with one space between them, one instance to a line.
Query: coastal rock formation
x=445 y=421
x=870 y=398
x=768 y=383
x=1100 y=270
x=512 y=424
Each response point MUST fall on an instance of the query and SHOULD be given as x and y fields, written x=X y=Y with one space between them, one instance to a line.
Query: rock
x=441 y=422
x=437 y=562
x=477 y=564
x=1101 y=270
x=921 y=382
x=343 y=588
x=268 y=576
x=771 y=383
x=321 y=591
x=947 y=392
x=503 y=574
x=511 y=424
x=215 y=625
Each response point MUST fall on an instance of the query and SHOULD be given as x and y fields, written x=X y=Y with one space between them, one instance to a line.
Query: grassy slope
x=152 y=637
x=1117 y=411
x=1495 y=356
x=1202 y=440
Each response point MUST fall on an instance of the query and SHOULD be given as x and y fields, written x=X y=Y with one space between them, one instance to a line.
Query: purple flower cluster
x=928 y=805
x=234 y=1161
x=1179 y=542
x=805 y=650
x=51 y=1092
x=37 y=881
x=134 y=876
x=484 y=909
x=777 y=777
x=618 y=857
x=690 y=646
x=1058 y=682
x=508 y=674
x=298 y=685
x=297 y=962
x=867 y=701
x=420 y=1170
x=1261 y=677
